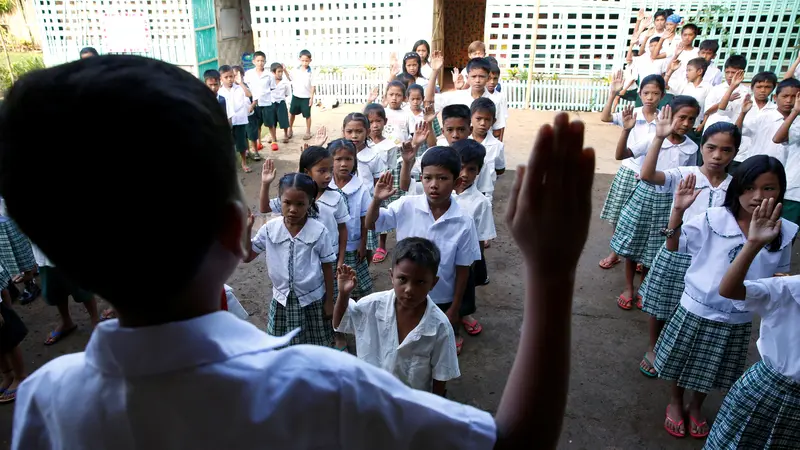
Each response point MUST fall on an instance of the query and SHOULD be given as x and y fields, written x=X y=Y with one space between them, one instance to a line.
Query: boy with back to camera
x=402 y=330
x=303 y=90
x=193 y=367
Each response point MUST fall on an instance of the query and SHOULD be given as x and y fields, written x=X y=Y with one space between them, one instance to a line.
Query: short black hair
x=89 y=51
x=691 y=26
x=494 y=68
x=663 y=12
x=684 y=101
x=403 y=80
x=275 y=66
x=415 y=87
x=420 y=251
x=225 y=68
x=765 y=77
x=479 y=63
x=483 y=104
x=372 y=108
x=259 y=53
x=737 y=62
x=699 y=63
x=211 y=74
x=656 y=79
x=456 y=111
x=787 y=83
x=442 y=157
x=470 y=151
x=654 y=39
x=710 y=44
x=77 y=183
x=302 y=182
x=304 y=53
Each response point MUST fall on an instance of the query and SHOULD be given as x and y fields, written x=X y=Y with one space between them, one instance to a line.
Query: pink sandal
x=379 y=256
x=677 y=425
x=624 y=303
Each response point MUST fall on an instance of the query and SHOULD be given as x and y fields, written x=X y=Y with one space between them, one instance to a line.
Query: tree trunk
x=8 y=58
x=23 y=9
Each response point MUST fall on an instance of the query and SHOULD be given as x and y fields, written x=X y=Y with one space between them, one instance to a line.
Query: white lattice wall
x=69 y=25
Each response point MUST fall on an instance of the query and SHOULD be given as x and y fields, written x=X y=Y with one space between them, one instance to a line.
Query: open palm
x=686 y=193
x=765 y=225
x=664 y=125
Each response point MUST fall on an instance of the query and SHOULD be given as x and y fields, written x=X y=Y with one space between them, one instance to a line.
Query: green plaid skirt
x=16 y=253
x=314 y=328
x=662 y=289
x=701 y=354
x=761 y=411
x=364 y=280
x=638 y=233
x=372 y=240
x=621 y=190
x=5 y=277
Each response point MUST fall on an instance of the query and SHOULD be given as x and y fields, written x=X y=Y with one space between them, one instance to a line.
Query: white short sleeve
x=366 y=199
x=501 y=112
x=388 y=216
x=693 y=235
x=640 y=148
x=275 y=205
x=259 y=241
x=672 y=178
x=468 y=250
x=341 y=215
x=500 y=159
x=324 y=248
x=484 y=222
x=444 y=360
x=352 y=318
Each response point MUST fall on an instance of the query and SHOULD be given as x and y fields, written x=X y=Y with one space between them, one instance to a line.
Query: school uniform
x=425 y=70
x=750 y=130
x=400 y=125
x=302 y=85
x=501 y=115
x=733 y=109
x=627 y=176
x=280 y=113
x=638 y=232
x=464 y=97
x=791 y=200
x=224 y=105
x=762 y=409
x=704 y=345
x=663 y=286
x=13 y=331
x=684 y=57
x=358 y=200
x=760 y=130
x=332 y=211
x=681 y=86
x=477 y=206
x=261 y=86
x=298 y=285
x=495 y=160
x=453 y=233
x=426 y=354
x=645 y=66
x=238 y=108
x=371 y=165
x=713 y=75
x=16 y=253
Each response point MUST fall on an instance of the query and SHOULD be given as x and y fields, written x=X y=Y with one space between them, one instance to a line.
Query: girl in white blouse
x=704 y=345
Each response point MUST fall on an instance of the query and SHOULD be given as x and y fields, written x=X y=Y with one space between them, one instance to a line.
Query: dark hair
x=343 y=143
x=656 y=79
x=415 y=87
x=482 y=104
x=427 y=46
x=302 y=182
x=359 y=117
x=494 y=68
x=414 y=56
x=259 y=53
x=491 y=59
x=765 y=77
x=787 y=83
x=456 y=111
x=710 y=44
x=225 y=68
x=275 y=66
x=479 y=63
x=691 y=26
x=420 y=251
x=470 y=151
x=311 y=157
x=372 y=108
x=442 y=157
x=403 y=81
x=745 y=175
x=699 y=63
x=77 y=182
x=737 y=62
x=88 y=51
x=654 y=39
x=304 y=53
x=663 y=12
x=211 y=74
x=723 y=127
x=684 y=101
x=397 y=84
x=239 y=69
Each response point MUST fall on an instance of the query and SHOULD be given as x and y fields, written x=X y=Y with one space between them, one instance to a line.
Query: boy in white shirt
x=483 y=115
x=692 y=85
x=280 y=113
x=788 y=134
x=402 y=330
x=303 y=90
x=725 y=100
x=261 y=83
x=203 y=378
x=238 y=105
x=747 y=116
x=764 y=129
x=708 y=50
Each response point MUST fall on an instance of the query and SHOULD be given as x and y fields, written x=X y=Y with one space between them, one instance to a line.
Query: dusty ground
x=611 y=405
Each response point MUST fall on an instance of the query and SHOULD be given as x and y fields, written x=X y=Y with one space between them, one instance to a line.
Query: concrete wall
x=231 y=48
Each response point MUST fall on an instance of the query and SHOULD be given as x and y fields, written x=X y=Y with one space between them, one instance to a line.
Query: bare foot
x=699 y=424
x=647 y=363
x=609 y=261
x=674 y=420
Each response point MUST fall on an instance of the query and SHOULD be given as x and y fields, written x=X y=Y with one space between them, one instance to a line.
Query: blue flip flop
x=647 y=373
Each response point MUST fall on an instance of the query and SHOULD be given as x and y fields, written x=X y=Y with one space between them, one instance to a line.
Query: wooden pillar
x=529 y=90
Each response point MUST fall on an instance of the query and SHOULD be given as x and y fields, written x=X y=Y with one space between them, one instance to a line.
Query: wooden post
x=437 y=41
x=533 y=55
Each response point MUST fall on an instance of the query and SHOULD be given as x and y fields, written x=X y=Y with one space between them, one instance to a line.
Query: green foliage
x=7 y=6
x=710 y=21
x=19 y=68
x=370 y=68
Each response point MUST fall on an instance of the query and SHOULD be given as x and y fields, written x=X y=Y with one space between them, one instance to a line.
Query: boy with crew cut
x=261 y=83
x=303 y=90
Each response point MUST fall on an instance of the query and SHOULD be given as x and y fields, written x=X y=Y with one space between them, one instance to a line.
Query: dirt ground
x=611 y=405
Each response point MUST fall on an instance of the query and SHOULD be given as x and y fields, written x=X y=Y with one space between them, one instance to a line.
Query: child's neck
x=410 y=313
x=361 y=146
x=295 y=228
x=321 y=190
x=715 y=177
x=377 y=138
x=676 y=138
x=785 y=114
x=761 y=103
x=477 y=93
x=479 y=138
x=438 y=210
x=649 y=112
x=744 y=221
x=697 y=81
x=462 y=187
x=341 y=180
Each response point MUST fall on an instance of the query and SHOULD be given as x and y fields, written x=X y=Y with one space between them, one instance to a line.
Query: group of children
x=706 y=198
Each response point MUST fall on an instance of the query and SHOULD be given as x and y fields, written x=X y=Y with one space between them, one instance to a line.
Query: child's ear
x=457 y=182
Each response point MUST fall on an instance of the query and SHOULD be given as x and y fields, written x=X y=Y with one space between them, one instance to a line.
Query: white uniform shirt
x=684 y=58
x=358 y=200
x=643 y=131
x=792 y=146
x=777 y=301
x=400 y=125
x=261 y=86
x=295 y=263
x=761 y=130
x=282 y=90
x=501 y=115
x=749 y=132
x=477 y=206
x=464 y=97
x=302 y=82
x=237 y=104
x=427 y=353
x=731 y=113
x=713 y=240
x=426 y=70
x=495 y=160
x=713 y=75
x=332 y=211
x=371 y=164
x=709 y=196
x=699 y=92
x=217 y=382
x=453 y=233
x=644 y=41
x=644 y=66
x=671 y=155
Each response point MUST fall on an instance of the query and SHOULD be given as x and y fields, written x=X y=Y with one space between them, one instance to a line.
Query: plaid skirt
x=662 y=289
x=701 y=354
x=314 y=328
x=621 y=190
x=372 y=240
x=364 y=280
x=16 y=253
x=762 y=411
x=638 y=232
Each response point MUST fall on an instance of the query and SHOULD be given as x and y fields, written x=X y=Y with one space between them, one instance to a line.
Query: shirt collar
x=330 y=197
x=426 y=326
x=277 y=231
x=175 y=346
x=350 y=188
x=421 y=203
x=470 y=191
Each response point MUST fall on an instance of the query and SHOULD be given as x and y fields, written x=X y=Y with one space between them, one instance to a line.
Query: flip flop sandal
x=108 y=314
x=254 y=156
x=639 y=303
x=247 y=170
x=274 y=146
x=285 y=140
x=676 y=425
x=608 y=266
x=459 y=344
x=379 y=256
x=698 y=425
x=307 y=136
x=8 y=396
x=639 y=268
x=291 y=133
x=472 y=328
x=56 y=336
x=260 y=146
x=649 y=364
x=624 y=303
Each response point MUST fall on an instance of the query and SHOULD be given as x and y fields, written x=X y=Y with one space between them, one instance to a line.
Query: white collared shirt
x=217 y=382
x=699 y=93
x=237 y=104
x=400 y=125
x=762 y=131
x=750 y=133
x=643 y=131
x=644 y=66
x=731 y=113
x=358 y=200
x=371 y=164
x=464 y=97
x=295 y=263
x=332 y=211
x=495 y=160
x=260 y=85
x=777 y=301
x=302 y=82
x=713 y=240
x=477 y=206
x=792 y=146
x=426 y=71
x=282 y=90
x=671 y=155
x=709 y=196
x=501 y=114
x=427 y=353
x=713 y=75
x=453 y=233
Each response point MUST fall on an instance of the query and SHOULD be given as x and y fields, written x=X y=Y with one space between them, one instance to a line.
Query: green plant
x=512 y=73
x=18 y=69
x=336 y=70
x=710 y=20
x=370 y=68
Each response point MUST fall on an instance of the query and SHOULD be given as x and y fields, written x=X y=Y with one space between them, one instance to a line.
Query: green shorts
x=56 y=288
x=300 y=106
x=239 y=133
x=791 y=211
x=280 y=115
x=253 y=126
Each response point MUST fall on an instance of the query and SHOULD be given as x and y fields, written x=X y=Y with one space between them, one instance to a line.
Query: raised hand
x=268 y=172
x=628 y=117
x=420 y=135
x=737 y=79
x=664 y=124
x=674 y=65
x=551 y=200
x=765 y=224
x=735 y=96
x=373 y=94
x=640 y=14
x=437 y=60
x=384 y=188
x=458 y=80
x=747 y=103
x=796 y=108
x=429 y=113
x=617 y=82
x=251 y=219
x=686 y=194
x=321 y=137
x=346 y=277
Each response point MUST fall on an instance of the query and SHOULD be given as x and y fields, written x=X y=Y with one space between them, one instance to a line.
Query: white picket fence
x=561 y=95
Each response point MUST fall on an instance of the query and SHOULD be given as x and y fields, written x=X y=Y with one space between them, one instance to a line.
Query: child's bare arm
x=267 y=177
x=251 y=253
x=548 y=216
x=346 y=277
x=685 y=195
x=327 y=273
x=738 y=77
x=462 y=276
x=616 y=84
x=342 y=243
x=782 y=135
x=383 y=190
x=628 y=122
x=790 y=73
x=664 y=127
x=437 y=62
